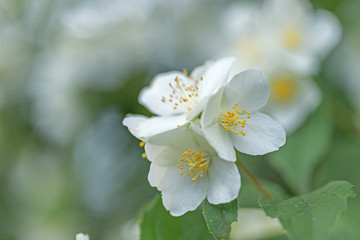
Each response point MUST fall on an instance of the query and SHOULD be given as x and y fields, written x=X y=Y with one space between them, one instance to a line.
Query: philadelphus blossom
x=286 y=39
x=191 y=143
x=228 y=119
x=298 y=32
x=186 y=169
x=81 y=236
x=177 y=97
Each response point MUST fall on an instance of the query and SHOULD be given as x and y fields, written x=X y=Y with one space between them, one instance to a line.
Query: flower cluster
x=287 y=39
x=201 y=119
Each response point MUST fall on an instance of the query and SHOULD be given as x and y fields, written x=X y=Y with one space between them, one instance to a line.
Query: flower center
x=283 y=89
x=234 y=120
x=291 y=37
x=184 y=95
x=194 y=164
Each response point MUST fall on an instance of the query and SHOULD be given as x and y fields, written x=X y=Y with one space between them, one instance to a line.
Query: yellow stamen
x=195 y=162
x=292 y=37
x=234 y=120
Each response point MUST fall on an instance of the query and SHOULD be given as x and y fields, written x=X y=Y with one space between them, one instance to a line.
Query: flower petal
x=248 y=88
x=165 y=149
x=179 y=138
x=325 y=23
x=162 y=155
x=156 y=175
x=197 y=109
x=180 y=194
x=151 y=97
x=215 y=76
x=213 y=109
x=224 y=181
x=293 y=114
x=199 y=71
x=220 y=140
x=263 y=135
x=156 y=125
x=131 y=121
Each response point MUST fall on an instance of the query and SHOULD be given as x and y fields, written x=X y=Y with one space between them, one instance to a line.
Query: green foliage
x=296 y=160
x=249 y=195
x=313 y=215
x=342 y=163
x=219 y=218
x=158 y=224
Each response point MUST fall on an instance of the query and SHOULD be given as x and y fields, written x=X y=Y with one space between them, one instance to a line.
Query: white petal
x=263 y=135
x=162 y=155
x=330 y=29
x=216 y=76
x=286 y=10
x=165 y=149
x=213 y=109
x=224 y=181
x=249 y=89
x=81 y=236
x=131 y=121
x=199 y=71
x=220 y=140
x=294 y=114
x=200 y=140
x=151 y=96
x=156 y=175
x=181 y=138
x=197 y=109
x=156 y=125
x=180 y=194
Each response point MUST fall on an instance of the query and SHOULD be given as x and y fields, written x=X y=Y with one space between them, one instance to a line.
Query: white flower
x=228 y=119
x=177 y=97
x=293 y=97
x=286 y=39
x=298 y=32
x=81 y=236
x=186 y=169
x=253 y=223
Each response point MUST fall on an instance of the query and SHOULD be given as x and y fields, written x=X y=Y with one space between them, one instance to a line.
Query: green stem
x=254 y=180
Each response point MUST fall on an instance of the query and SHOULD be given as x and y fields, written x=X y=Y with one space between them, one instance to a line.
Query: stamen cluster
x=197 y=163
x=184 y=95
x=233 y=120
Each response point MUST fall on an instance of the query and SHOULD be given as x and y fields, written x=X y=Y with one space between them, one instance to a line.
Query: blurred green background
x=71 y=69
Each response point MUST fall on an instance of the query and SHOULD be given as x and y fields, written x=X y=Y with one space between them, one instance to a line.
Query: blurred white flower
x=186 y=169
x=130 y=231
x=177 y=97
x=228 y=119
x=298 y=33
x=81 y=236
x=293 y=97
x=253 y=223
x=287 y=40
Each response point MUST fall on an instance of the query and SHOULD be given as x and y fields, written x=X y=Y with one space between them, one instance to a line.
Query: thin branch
x=254 y=180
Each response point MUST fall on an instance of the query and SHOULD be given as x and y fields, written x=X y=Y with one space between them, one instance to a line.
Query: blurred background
x=70 y=70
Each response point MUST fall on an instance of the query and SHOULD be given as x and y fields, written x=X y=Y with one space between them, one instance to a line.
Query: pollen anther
x=234 y=120
x=194 y=163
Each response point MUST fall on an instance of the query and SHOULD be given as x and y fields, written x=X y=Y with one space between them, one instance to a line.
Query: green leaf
x=158 y=224
x=312 y=216
x=303 y=150
x=219 y=218
x=342 y=163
